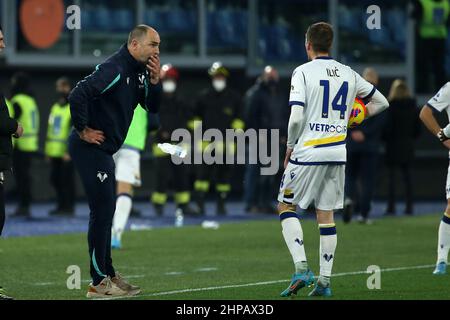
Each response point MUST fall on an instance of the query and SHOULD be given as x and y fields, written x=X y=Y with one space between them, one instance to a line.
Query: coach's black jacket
x=8 y=127
x=105 y=100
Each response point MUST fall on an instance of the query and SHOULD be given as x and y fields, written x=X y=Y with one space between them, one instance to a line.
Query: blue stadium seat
x=349 y=19
x=240 y=21
x=225 y=27
x=102 y=17
x=155 y=17
x=123 y=20
x=212 y=38
x=88 y=20
x=177 y=20
x=396 y=21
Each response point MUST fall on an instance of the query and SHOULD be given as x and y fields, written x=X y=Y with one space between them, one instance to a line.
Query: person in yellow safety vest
x=62 y=171
x=218 y=107
x=27 y=113
x=433 y=21
x=174 y=114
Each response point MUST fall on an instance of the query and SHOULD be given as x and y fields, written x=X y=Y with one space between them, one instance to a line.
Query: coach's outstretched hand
x=92 y=136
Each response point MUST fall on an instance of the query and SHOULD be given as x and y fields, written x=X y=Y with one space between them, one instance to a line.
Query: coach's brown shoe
x=120 y=282
x=105 y=289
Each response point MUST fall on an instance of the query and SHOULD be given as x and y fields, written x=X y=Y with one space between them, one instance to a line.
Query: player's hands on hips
x=153 y=66
x=288 y=156
x=92 y=136
x=19 y=131
x=441 y=136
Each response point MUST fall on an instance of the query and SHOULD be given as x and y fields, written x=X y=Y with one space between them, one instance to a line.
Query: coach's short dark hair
x=320 y=35
x=138 y=32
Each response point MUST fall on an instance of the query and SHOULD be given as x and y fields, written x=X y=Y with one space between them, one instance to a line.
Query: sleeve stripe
x=370 y=94
x=433 y=107
x=112 y=83
x=296 y=103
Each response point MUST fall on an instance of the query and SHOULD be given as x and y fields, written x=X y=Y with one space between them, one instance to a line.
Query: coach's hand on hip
x=287 y=157
x=153 y=67
x=92 y=136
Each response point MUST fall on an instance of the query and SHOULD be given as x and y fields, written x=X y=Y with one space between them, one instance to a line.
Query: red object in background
x=42 y=21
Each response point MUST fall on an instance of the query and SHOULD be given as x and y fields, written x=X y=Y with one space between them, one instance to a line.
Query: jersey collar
x=324 y=58
x=132 y=61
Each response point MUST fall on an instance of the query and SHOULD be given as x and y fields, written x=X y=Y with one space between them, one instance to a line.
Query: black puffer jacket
x=8 y=127
x=403 y=127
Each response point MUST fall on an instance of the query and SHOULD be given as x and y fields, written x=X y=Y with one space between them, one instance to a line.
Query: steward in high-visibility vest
x=58 y=131
x=28 y=116
x=59 y=125
x=26 y=112
x=432 y=20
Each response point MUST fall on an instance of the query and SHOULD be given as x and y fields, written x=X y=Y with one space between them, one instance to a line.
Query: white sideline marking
x=165 y=293
x=206 y=269
x=173 y=273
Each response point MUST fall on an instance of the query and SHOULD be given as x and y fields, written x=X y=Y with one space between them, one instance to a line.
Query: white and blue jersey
x=441 y=102
x=326 y=89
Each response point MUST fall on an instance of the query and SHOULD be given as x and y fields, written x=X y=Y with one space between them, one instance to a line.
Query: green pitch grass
x=162 y=261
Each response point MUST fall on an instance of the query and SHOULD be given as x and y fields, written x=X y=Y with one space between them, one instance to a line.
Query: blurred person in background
x=174 y=114
x=265 y=108
x=62 y=170
x=27 y=113
x=128 y=169
x=432 y=23
x=401 y=131
x=218 y=107
x=363 y=148
x=9 y=127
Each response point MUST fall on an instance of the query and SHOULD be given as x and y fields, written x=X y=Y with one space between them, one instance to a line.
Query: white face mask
x=219 y=84
x=169 y=86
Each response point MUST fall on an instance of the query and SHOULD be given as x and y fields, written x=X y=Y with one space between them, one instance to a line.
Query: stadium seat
x=396 y=22
x=225 y=27
x=123 y=20
x=102 y=17
x=88 y=20
x=240 y=21
x=155 y=17
x=177 y=20
x=348 y=20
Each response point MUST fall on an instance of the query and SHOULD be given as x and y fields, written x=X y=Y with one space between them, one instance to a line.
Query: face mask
x=169 y=86
x=219 y=84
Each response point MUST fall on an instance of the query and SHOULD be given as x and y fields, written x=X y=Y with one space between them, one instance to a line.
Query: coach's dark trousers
x=96 y=169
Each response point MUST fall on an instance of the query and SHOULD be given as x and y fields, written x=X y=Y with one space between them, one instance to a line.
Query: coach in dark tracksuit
x=102 y=107
x=8 y=127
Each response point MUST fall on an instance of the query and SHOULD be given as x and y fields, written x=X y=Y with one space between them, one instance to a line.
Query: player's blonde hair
x=399 y=90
